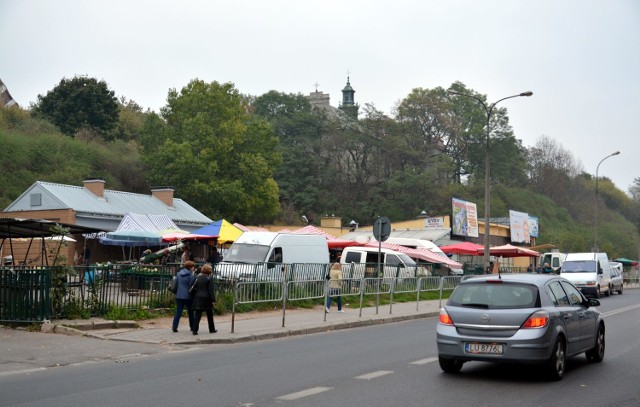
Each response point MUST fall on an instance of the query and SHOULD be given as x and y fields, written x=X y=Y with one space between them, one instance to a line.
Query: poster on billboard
x=533 y=226
x=464 y=218
x=519 y=226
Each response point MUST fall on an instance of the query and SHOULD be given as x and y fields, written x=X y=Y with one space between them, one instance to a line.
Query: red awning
x=419 y=253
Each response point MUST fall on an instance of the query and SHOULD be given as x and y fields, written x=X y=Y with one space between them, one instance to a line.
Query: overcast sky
x=580 y=58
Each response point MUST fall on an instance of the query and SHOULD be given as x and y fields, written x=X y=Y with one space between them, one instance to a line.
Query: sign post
x=381 y=232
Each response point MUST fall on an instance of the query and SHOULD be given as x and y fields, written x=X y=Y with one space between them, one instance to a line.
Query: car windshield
x=246 y=253
x=586 y=266
x=495 y=295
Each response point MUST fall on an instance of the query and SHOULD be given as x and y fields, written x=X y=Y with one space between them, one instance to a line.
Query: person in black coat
x=203 y=299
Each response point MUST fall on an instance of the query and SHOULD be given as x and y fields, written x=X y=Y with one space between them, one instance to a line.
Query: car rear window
x=495 y=295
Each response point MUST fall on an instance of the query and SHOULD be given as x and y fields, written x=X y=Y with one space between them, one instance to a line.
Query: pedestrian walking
x=335 y=283
x=204 y=298
x=185 y=279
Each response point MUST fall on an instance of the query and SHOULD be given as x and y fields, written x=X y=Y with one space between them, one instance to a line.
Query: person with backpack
x=184 y=281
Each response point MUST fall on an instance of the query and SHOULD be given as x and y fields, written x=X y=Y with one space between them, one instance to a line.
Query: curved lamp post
x=595 y=229
x=487 y=172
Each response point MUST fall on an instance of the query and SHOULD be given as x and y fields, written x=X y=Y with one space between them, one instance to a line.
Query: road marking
x=618 y=311
x=423 y=361
x=24 y=371
x=373 y=375
x=304 y=393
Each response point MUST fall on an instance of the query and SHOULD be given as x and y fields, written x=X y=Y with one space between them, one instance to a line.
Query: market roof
x=118 y=203
x=11 y=228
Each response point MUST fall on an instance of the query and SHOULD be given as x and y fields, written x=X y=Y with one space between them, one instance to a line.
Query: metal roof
x=113 y=203
x=11 y=228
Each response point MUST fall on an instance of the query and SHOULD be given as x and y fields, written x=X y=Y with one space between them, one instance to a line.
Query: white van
x=590 y=272
x=364 y=260
x=263 y=256
x=555 y=260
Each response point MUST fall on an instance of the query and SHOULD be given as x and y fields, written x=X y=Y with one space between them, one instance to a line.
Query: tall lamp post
x=487 y=172
x=595 y=229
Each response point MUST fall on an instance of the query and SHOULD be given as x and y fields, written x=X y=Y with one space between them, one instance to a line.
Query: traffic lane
x=223 y=375
x=350 y=365
x=420 y=383
x=23 y=351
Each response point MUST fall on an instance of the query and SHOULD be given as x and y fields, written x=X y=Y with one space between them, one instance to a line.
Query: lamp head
x=616 y=153
x=527 y=93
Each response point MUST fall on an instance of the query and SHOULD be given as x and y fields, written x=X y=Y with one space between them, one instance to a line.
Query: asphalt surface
x=245 y=327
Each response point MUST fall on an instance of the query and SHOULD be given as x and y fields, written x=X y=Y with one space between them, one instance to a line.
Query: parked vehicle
x=617 y=279
x=523 y=318
x=590 y=272
x=266 y=256
x=395 y=264
x=554 y=259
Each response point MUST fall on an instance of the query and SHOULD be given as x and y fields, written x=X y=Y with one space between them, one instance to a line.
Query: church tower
x=348 y=104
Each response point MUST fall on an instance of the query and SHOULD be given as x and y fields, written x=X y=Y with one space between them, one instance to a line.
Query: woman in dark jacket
x=185 y=279
x=203 y=299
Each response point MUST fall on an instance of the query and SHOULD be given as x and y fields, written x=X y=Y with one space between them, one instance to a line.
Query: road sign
x=382 y=229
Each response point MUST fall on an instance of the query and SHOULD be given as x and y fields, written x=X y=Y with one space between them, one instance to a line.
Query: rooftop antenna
x=316 y=85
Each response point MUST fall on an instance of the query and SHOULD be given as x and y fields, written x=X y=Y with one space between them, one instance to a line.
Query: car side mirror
x=593 y=302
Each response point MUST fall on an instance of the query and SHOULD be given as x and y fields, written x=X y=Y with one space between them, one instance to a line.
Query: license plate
x=483 y=348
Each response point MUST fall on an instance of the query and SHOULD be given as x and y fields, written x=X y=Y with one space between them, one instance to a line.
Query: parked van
x=590 y=272
x=555 y=260
x=365 y=260
x=266 y=253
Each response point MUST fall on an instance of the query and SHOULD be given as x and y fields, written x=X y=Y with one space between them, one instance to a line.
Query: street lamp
x=595 y=231
x=487 y=172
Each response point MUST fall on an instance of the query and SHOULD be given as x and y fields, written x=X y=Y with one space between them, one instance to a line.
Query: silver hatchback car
x=521 y=318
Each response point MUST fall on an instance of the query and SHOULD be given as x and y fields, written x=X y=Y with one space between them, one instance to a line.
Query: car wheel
x=620 y=290
x=608 y=293
x=597 y=353
x=598 y=292
x=557 y=363
x=450 y=365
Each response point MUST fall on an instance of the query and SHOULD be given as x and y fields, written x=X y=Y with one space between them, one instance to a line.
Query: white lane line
x=24 y=371
x=303 y=393
x=618 y=311
x=373 y=375
x=424 y=361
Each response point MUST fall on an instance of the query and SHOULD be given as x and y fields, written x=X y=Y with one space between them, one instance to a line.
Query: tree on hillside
x=77 y=103
x=219 y=157
x=299 y=131
x=469 y=138
x=551 y=168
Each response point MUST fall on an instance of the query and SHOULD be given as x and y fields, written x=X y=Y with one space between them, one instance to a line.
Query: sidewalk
x=247 y=327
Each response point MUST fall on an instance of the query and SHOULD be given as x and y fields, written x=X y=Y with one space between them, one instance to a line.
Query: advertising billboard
x=464 y=218
x=519 y=227
x=533 y=226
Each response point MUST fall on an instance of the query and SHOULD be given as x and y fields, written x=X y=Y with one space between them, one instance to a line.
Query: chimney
x=164 y=194
x=95 y=186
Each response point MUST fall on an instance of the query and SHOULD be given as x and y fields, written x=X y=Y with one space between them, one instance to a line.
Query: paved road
x=24 y=351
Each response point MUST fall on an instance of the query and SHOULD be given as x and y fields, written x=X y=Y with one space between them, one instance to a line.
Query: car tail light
x=538 y=319
x=445 y=319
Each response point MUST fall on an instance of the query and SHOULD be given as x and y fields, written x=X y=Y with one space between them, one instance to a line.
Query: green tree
x=219 y=157
x=299 y=130
x=77 y=103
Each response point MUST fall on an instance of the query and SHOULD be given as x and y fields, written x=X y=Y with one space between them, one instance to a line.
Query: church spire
x=348 y=104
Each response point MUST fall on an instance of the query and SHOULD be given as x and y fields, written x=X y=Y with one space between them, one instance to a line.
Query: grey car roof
x=531 y=278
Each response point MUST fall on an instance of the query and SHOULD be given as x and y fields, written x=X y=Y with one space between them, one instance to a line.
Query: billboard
x=533 y=226
x=519 y=227
x=464 y=218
